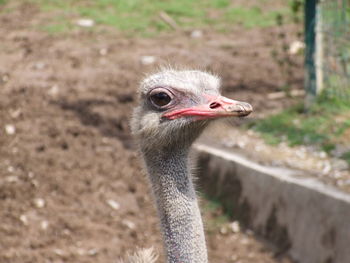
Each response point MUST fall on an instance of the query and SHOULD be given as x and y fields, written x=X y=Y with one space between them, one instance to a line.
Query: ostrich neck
x=177 y=205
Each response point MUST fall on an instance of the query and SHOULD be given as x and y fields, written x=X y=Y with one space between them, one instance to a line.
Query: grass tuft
x=216 y=209
x=251 y=17
x=346 y=157
x=326 y=124
x=142 y=17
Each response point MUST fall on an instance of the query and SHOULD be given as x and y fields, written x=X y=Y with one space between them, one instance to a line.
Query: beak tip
x=247 y=108
x=240 y=109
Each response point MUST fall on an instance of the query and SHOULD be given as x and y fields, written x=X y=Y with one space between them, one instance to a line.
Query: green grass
x=346 y=157
x=142 y=16
x=323 y=125
x=57 y=27
x=216 y=208
x=252 y=17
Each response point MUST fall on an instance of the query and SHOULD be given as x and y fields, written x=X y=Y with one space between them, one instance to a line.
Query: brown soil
x=71 y=186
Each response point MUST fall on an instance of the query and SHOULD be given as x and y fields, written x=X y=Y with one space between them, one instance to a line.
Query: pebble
x=113 y=204
x=92 y=252
x=40 y=65
x=24 y=219
x=300 y=154
x=337 y=175
x=81 y=251
x=129 y=224
x=5 y=78
x=229 y=144
x=66 y=232
x=234 y=257
x=147 y=60
x=53 y=91
x=295 y=47
x=85 y=22
x=10 y=129
x=322 y=155
x=319 y=165
x=12 y=179
x=59 y=252
x=44 y=225
x=326 y=168
x=15 y=113
x=39 y=202
x=251 y=133
x=258 y=148
x=103 y=51
x=235 y=227
x=244 y=241
x=196 y=34
x=241 y=144
x=223 y=230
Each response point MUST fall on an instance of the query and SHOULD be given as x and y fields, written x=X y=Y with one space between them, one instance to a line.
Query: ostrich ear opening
x=216 y=107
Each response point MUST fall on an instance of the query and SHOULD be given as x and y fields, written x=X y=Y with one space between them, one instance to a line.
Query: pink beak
x=216 y=107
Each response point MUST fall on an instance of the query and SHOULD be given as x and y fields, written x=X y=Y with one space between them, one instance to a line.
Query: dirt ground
x=71 y=186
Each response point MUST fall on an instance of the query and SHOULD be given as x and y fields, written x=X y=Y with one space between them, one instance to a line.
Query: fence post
x=310 y=38
x=319 y=49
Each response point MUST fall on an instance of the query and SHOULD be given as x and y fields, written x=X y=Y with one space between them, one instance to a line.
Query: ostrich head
x=175 y=106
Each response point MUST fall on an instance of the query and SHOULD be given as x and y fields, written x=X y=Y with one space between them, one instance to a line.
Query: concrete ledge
x=302 y=216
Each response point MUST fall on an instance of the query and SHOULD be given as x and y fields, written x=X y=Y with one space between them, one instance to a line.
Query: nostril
x=214 y=105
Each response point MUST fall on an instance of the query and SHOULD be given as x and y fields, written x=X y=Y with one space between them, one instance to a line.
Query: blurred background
x=71 y=186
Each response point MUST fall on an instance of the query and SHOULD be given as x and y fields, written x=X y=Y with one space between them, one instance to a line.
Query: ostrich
x=175 y=107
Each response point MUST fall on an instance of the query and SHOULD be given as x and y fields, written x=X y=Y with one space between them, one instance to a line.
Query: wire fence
x=327 y=36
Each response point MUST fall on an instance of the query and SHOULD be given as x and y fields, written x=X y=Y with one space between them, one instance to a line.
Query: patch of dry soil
x=71 y=186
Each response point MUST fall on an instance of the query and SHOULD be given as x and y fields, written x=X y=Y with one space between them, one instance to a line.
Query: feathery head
x=175 y=106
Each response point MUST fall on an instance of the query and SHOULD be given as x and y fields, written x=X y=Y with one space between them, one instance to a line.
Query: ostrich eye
x=160 y=98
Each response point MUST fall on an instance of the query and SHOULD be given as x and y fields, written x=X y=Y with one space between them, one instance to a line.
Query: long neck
x=176 y=200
